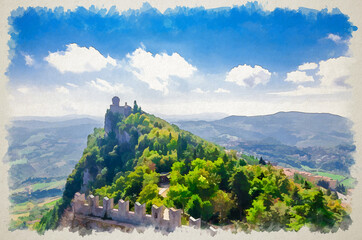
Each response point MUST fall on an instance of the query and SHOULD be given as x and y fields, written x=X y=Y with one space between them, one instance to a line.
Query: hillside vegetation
x=205 y=180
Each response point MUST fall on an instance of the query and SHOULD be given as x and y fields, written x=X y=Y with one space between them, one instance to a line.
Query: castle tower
x=115 y=101
x=114 y=108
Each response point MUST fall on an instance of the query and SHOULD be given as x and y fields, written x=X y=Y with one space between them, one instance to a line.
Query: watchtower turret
x=115 y=101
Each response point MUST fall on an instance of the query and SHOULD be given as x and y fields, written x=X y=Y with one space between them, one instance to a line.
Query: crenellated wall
x=160 y=217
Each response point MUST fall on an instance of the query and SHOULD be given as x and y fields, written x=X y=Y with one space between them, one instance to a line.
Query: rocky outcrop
x=122 y=137
x=87 y=177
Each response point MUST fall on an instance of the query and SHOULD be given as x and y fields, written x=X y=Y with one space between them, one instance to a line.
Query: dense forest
x=205 y=180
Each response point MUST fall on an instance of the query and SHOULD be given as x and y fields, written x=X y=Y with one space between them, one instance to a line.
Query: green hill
x=205 y=180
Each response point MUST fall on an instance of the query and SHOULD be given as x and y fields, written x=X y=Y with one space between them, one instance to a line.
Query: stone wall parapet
x=160 y=217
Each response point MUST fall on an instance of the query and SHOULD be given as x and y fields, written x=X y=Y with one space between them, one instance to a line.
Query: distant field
x=330 y=175
x=47 y=186
x=21 y=207
x=42 y=186
x=308 y=169
x=16 y=216
x=50 y=202
x=349 y=182
x=325 y=174
x=27 y=213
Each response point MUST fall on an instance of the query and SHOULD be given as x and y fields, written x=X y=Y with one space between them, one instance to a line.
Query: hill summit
x=143 y=165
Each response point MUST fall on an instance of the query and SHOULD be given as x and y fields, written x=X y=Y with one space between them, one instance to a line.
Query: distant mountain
x=48 y=148
x=307 y=141
x=193 y=117
x=57 y=118
x=288 y=128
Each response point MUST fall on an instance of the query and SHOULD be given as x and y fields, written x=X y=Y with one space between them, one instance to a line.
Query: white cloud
x=23 y=90
x=72 y=85
x=221 y=90
x=157 y=70
x=199 y=90
x=307 y=91
x=62 y=90
x=333 y=74
x=105 y=86
x=29 y=61
x=247 y=76
x=298 y=77
x=79 y=59
x=335 y=71
x=307 y=66
x=335 y=38
x=60 y=100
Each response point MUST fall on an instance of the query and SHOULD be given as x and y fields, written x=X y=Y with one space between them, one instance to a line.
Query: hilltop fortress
x=114 y=109
x=112 y=117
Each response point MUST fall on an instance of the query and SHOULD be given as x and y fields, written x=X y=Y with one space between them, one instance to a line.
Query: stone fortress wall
x=163 y=218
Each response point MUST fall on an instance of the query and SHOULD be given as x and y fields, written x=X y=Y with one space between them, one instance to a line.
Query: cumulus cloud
x=199 y=90
x=221 y=90
x=23 y=90
x=105 y=86
x=72 y=85
x=298 y=77
x=248 y=76
x=334 y=72
x=77 y=59
x=157 y=70
x=335 y=38
x=29 y=61
x=62 y=90
x=307 y=66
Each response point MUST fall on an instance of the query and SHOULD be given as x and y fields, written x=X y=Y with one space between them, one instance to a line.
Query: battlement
x=161 y=217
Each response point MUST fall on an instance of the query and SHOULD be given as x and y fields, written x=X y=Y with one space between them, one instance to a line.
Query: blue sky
x=241 y=60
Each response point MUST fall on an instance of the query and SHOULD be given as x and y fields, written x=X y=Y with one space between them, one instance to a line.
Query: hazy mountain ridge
x=289 y=128
x=46 y=149
x=293 y=139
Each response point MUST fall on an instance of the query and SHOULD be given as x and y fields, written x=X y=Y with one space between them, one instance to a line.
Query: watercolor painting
x=216 y=119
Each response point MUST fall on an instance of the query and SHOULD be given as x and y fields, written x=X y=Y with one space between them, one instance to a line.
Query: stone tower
x=116 y=109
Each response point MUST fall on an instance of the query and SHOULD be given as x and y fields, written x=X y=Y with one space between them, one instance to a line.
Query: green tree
x=150 y=178
x=179 y=194
x=207 y=210
x=240 y=187
x=222 y=203
x=148 y=193
x=193 y=206
x=261 y=161
x=135 y=107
